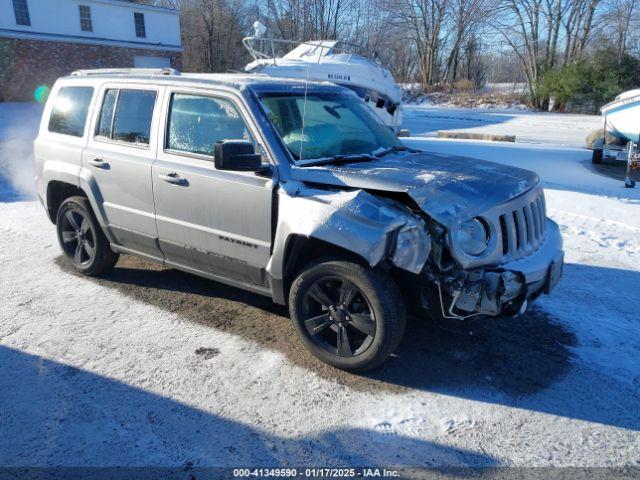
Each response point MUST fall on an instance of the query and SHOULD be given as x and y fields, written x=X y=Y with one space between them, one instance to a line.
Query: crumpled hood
x=449 y=188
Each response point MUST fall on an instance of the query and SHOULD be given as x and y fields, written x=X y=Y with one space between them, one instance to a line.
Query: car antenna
x=304 y=112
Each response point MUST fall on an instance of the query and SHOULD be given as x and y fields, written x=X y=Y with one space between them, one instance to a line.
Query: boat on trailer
x=329 y=60
x=622 y=120
x=622 y=116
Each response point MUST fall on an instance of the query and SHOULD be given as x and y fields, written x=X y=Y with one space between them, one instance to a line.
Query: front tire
x=81 y=238
x=348 y=315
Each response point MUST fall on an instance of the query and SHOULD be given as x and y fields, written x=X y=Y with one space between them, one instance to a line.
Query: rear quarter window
x=70 y=108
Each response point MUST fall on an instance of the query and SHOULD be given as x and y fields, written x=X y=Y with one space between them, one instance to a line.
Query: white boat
x=329 y=60
x=622 y=119
x=622 y=116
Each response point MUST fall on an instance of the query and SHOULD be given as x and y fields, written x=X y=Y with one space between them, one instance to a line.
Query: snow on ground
x=531 y=127
x=506 y=87
x=148 y=366
x=19 y=124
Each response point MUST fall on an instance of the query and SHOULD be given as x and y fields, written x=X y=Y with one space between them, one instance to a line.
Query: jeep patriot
x=291 y=190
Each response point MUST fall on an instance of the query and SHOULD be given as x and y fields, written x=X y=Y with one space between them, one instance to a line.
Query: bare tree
x=308 y=19
x=537 y=30
x=212 y=34
x=431 y=41
x=621 y=18
x=466 y=17
x=424 y=21
x=578 y=24
x=287 y=19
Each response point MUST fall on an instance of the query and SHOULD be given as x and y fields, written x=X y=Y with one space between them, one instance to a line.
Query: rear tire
x=348 y=315
x=81 y=238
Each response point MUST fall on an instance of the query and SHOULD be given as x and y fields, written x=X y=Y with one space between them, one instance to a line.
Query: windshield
x=326 y=126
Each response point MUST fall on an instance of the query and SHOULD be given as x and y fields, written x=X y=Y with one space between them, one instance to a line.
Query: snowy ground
x=19 y=123
x=148 y=366
x=530 y=127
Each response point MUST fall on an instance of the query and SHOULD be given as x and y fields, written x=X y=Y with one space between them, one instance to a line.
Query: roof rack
x=126 y=71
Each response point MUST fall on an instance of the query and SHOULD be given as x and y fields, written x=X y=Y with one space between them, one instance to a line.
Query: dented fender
x=373 y=228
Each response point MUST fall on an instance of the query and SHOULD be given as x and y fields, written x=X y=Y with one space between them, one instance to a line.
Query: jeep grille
x=523 y=228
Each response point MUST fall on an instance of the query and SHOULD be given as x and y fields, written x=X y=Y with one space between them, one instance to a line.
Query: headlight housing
x=472 y=237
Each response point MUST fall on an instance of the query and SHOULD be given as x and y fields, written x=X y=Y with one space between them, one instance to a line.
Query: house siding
x=54 y=44
x=112 y=21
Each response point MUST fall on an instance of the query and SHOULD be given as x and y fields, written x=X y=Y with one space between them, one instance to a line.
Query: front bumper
x=508 y=288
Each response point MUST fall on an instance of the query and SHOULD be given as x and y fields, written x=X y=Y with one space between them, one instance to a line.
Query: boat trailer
x=633 y=163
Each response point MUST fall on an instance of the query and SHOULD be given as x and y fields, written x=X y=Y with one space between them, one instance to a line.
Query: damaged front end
x=523 y=259
x=392 y=231
x=478 y=292
x=376 y=229
x=463 y=294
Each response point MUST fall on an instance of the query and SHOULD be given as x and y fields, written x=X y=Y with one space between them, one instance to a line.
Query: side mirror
x=238 y=155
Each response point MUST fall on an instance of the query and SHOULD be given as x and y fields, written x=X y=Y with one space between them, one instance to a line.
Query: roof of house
x=141 y=5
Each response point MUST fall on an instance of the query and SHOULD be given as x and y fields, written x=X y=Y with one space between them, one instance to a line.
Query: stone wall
x=27 y=64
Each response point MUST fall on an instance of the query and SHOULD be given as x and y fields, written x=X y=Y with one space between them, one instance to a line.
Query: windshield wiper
x=342 y=159
x=394 y=149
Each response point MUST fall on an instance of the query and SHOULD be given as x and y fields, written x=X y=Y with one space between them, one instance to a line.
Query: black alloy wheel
x=81 y=238
x=339 y=317
x=347 y=314
x=78 y=238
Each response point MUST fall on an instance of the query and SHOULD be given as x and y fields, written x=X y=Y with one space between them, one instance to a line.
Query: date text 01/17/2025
x=316 y=472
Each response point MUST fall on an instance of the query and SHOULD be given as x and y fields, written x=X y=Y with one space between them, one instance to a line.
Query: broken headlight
x=472 y=237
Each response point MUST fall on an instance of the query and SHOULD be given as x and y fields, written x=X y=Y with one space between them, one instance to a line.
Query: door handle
x=98 y=162
x=174 y=179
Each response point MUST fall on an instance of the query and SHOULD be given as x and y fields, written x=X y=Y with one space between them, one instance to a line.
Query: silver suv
x=294 y=191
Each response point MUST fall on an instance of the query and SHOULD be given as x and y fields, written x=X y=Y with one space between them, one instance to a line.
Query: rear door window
x=70 y=109
x=126 y=116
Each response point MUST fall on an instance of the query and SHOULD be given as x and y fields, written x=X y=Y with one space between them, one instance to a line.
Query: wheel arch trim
x=65 y=180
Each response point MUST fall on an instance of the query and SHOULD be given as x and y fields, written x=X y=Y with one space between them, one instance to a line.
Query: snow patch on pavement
x=598 y=296
x=560 y=129
x=19 y=124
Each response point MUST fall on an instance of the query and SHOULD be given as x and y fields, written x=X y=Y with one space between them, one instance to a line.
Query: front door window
x=197 y=122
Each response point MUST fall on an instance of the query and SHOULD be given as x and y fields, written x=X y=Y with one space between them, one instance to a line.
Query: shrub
x=464 y=86
x=588 y=84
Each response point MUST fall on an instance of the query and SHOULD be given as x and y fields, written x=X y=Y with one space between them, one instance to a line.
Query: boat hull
x=622 y=118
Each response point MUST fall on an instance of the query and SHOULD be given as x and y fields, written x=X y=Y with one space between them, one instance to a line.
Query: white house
x=41 y=40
